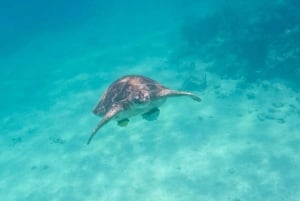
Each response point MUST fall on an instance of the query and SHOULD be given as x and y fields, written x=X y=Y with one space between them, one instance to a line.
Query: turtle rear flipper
x=107 y=117
x=152 y=114
x=123 y=122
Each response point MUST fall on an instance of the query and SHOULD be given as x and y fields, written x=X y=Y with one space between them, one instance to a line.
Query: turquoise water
x=240 y=143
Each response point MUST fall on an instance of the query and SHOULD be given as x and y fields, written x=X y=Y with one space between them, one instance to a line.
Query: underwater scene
x=212 y=112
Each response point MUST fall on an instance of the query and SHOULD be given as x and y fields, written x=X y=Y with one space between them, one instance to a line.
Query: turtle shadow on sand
x=133 y=95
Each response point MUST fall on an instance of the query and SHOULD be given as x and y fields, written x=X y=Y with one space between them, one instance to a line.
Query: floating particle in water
x=16 y=140
x=250 y=96
x=56 y=140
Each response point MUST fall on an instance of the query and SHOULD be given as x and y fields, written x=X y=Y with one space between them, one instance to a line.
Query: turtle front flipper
x=152 y=114
x=107 y=117
x=173 y=93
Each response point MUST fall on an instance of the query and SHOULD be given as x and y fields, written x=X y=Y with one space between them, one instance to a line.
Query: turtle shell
x=125 y=90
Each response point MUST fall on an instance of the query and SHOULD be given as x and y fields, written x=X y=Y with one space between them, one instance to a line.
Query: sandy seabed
x=240 y=143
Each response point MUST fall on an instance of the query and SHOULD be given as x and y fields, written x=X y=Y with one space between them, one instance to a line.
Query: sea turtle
x=133 y=95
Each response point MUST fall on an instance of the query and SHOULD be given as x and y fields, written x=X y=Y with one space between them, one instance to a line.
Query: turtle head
x=141 y=100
